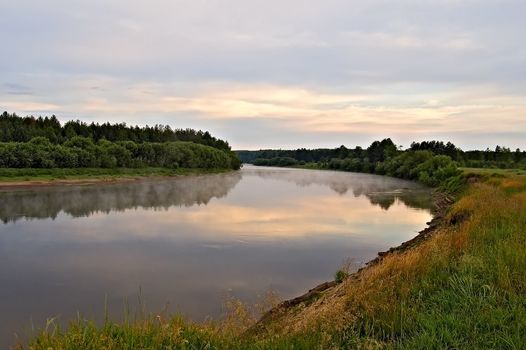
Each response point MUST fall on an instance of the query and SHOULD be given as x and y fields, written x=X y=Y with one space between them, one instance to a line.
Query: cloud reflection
x=80 y=201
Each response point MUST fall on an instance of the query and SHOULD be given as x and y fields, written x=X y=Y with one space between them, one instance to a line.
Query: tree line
x=14 y=128
x=82 y=152
x=378 y=151
x=430 y=162
x=500 y=157
x=44 y=143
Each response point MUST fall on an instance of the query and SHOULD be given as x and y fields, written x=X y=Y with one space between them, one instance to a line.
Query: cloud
x=17 y=89
x=28 y=106
x=301 y=109
x=339 y=69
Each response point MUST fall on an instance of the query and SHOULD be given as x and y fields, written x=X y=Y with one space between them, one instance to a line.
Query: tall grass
x=465 y=287
x=160 y=331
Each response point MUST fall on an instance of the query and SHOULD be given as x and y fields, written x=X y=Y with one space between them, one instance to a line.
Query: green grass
x=154 y=334
x=491 y=171
x=462 y=288
x=33 y=174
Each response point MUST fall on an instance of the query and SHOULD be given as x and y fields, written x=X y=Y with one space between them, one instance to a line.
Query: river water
x=187 y=244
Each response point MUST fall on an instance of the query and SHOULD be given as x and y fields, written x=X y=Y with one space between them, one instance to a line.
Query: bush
x=436 y=170
x=340 y=275
x=423 y=166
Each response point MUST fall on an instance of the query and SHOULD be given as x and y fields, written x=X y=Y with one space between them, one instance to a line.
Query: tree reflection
x=379 y=190
x=79 y=201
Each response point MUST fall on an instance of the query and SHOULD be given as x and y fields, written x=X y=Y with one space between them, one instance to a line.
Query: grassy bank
x=465 y=287
x=462 y=287
x=492 y=171
x=29 y=175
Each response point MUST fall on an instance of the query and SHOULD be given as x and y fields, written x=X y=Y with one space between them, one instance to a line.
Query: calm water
x=191 y=242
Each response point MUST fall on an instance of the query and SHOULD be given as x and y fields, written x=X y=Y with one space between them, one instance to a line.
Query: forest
x=31 y=142
x=14 y=128
x=429 y=162
x=500 y=157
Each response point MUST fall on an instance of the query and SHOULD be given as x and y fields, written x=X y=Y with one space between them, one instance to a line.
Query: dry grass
x=481 y=250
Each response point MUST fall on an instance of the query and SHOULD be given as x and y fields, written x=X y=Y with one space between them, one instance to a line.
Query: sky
x=275 y=74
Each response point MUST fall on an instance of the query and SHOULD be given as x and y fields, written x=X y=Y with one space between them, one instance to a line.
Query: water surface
x=193 y=241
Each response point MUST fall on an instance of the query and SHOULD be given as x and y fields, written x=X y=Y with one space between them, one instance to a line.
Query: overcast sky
x=275 y=74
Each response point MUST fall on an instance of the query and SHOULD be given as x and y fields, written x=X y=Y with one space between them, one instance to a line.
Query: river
x=188 y=243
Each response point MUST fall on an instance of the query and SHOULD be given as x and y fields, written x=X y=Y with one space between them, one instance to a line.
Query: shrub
x=340 y=275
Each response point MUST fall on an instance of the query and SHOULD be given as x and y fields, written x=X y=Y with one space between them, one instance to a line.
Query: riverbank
x=461 y=285
x=442 y=203
x=11 y=178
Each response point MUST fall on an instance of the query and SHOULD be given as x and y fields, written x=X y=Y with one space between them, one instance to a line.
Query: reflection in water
x=192 y=241
x=380 y=190
x=80 y=201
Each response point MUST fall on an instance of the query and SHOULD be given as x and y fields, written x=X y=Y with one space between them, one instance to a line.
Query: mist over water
x=79 y=201
x=192 y=241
